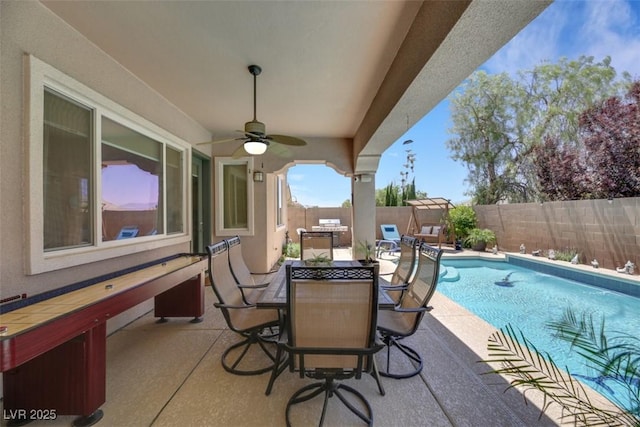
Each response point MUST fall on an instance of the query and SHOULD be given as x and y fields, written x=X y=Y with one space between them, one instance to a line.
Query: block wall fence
x=608 y=231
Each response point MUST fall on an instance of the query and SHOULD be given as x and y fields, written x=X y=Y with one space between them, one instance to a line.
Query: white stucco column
x=363 y=212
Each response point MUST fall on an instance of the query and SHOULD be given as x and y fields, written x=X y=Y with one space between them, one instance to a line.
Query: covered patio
x=170 y=374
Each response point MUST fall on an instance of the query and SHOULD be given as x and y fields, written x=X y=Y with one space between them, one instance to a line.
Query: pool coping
x=598 y=277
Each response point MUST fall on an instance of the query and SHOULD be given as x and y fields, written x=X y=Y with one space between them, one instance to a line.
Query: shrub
x=462 y=219
x=293 y=250
x=566 y=254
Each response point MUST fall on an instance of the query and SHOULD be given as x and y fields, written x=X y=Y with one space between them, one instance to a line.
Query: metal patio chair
x=251 y=283
x=256 y=326
x=403 y=321
x=316 y=243
x=331 y=333
x=404 y=274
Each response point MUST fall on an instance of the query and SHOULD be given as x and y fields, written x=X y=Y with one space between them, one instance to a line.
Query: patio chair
x=404 y=274
x=241 y=317
x=389 y=246
x=331 y=334
x=252 y=283
x=403 y=321
x=316 y=243
x=390 y=232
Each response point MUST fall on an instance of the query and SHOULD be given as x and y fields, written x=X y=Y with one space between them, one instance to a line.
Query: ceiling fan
x=256 y=140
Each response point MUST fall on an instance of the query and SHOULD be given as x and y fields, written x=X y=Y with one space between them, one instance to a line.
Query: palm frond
x=528 y=369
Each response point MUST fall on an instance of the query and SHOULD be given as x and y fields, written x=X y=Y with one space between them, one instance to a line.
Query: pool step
x=449 y=274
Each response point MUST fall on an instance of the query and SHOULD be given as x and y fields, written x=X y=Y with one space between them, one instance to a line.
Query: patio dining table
x=275 y=295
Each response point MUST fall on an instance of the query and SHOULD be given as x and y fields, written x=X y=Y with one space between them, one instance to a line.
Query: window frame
x=38 y=76
x=220 y=162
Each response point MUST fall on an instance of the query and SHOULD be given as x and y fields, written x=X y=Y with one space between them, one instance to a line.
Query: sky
x=567 y=28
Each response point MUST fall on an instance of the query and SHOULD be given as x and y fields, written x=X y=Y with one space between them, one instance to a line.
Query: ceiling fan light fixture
x=255 y=148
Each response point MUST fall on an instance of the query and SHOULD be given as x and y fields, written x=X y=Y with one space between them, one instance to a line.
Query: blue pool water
x=528 y=300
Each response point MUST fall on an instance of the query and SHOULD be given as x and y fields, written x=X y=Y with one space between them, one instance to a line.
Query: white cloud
x=571 y=29
x=534 y=44
x=611 y=29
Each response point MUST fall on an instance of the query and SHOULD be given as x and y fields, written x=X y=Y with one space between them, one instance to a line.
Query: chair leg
x=278 y=367
x=376 y=376
x=411 y=354
x=330 y=388
x=368 y=417
x=250 y=339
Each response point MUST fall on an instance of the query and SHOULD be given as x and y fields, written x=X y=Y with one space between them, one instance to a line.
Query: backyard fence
x=606 y=230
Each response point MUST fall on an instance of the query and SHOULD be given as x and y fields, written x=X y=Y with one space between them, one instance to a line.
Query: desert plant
x=293 y=250
x=615 y=358
x=479 y=238
x=367 y=250
x=318 y=260
x=566 y=254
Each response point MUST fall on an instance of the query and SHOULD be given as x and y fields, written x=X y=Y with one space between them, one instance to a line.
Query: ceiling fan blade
x=219 y=141
x=287 y=140
x=279 y=150
x=240 y=152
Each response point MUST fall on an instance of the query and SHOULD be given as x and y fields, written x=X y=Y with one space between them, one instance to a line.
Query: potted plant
x=479 y=238
x=367 y=250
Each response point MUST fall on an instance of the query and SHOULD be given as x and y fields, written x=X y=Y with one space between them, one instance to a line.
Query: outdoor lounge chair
x=389 y=246
x=241 y=317
x=249 y=281
x=316 y=243
x=390 y=232
x=331 y=334
x=403 y=321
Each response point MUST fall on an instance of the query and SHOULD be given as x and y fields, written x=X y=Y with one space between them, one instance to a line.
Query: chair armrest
x=231 y=306
x=261 y=285
x=395 y=288
x=410 y=310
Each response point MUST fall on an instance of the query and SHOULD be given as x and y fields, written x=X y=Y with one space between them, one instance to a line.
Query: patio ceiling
x=354 y=70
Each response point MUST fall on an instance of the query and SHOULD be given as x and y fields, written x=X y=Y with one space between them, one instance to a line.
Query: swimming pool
x=502 y=293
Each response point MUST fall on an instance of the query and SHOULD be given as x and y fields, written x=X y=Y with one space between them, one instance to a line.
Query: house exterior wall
x=30 y=28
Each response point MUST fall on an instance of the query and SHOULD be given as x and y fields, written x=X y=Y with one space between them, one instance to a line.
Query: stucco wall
x=28 y=27
x=606 y=231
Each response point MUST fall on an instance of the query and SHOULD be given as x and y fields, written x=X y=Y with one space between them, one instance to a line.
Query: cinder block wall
x=600 y=229
x=400 y=216
x=606 y=231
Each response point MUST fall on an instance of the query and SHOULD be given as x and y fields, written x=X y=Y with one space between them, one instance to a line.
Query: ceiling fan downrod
x=255 y=70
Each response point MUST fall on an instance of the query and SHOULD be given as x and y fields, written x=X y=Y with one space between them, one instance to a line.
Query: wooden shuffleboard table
x=53 y=345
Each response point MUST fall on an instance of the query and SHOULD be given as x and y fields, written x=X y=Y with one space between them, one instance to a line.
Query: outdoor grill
x=332 y=225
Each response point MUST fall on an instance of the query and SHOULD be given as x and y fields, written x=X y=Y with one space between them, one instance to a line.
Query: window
x=279 y=201
x=67 y=172
x=234 y=196
x=103 y=182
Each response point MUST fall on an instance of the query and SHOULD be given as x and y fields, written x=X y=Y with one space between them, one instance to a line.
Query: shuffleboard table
x=53 y=345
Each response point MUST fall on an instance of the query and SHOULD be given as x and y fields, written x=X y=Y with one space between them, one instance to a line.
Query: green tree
x=499 y=120
x=346 y=203
x=391 y=195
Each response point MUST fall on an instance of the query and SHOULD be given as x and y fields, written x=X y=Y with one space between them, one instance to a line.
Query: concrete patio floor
x=170 y=375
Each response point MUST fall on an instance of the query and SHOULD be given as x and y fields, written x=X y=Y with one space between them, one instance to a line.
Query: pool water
x=502 y=293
